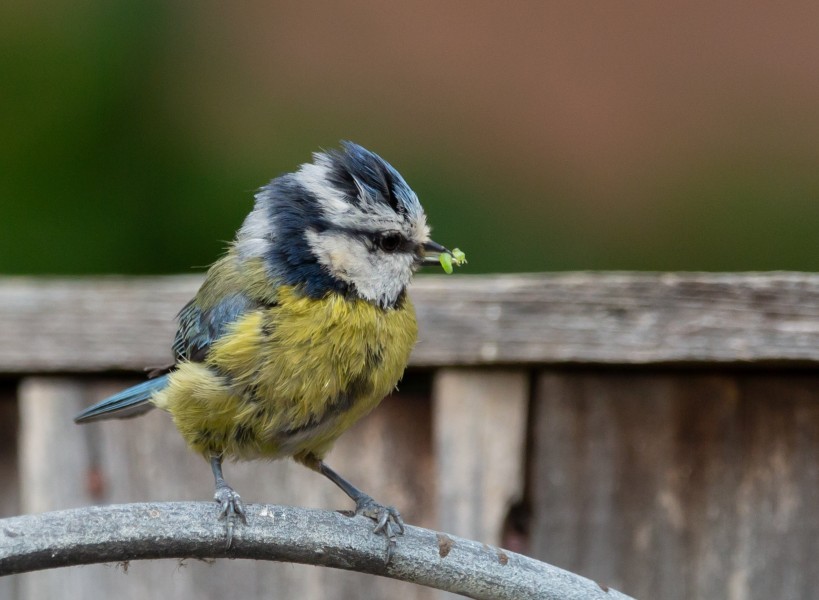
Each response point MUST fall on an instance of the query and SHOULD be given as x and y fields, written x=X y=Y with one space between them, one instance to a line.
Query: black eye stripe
x=380 y=239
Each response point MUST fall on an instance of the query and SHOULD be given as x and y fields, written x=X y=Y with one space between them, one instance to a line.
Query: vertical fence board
x=9 y=491
x=679 y=485
x=145 y=459
x=479 y=420
x=52 y=468
x=9 y=473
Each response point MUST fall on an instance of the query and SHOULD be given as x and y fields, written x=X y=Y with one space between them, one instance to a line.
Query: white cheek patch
x=377 y=277
x=336 y=252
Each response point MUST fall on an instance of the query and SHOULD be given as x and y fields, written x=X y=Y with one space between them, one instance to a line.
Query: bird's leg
x=387 y=519
x=230 y=502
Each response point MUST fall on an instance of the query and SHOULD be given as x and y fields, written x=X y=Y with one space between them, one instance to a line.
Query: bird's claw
x=388 y=521
x=230 y=507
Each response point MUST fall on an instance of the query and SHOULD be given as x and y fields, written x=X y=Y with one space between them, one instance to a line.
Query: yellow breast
x=291 y=378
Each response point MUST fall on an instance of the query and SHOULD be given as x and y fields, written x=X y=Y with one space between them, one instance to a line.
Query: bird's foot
x=388 y=521
x=230 y=507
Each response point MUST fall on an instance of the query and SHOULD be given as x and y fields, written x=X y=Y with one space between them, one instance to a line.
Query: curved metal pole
x=282 y=533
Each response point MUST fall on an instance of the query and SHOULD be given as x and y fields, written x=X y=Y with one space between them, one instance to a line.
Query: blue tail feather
x=128 y=403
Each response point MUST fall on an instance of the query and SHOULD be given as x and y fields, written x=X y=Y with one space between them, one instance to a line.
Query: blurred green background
x=539 y=136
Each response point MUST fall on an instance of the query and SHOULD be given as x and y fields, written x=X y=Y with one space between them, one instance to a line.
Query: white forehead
x=369 y=214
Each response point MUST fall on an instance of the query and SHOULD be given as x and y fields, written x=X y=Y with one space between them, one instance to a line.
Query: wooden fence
x=656 y=433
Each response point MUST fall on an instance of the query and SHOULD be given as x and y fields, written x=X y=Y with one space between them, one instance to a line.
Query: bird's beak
x=431 y=252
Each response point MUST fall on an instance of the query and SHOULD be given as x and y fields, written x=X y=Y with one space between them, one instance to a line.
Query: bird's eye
x=390 y=242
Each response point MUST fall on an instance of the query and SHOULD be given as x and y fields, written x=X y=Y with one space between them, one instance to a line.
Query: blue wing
x=199 y=328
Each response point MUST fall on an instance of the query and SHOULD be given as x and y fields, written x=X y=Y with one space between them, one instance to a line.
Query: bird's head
x=347 y=222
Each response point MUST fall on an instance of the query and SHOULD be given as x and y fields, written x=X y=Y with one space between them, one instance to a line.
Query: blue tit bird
x=300 y=329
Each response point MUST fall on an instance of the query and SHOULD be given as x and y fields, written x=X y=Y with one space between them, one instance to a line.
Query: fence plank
x=52 y=469
x=679 y=486
x=9 y=474
x=93 y=324
x=479 y=420
x=9 y=494
x=145 y=459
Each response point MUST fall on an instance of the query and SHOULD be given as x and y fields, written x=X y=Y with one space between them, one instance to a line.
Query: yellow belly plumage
x=288 y=379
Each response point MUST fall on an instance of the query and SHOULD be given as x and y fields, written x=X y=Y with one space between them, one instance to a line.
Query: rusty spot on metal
x=502 y=557
x=445 y=544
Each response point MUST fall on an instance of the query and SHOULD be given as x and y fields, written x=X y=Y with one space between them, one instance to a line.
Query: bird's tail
x=128 y=403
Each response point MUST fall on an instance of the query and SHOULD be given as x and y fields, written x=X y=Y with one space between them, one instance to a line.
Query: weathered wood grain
x=9 y=494
x=64 y=465
x=479 y=420
x=9 y=490
x=479 y=424
x=679 y=486
x=95 y=324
